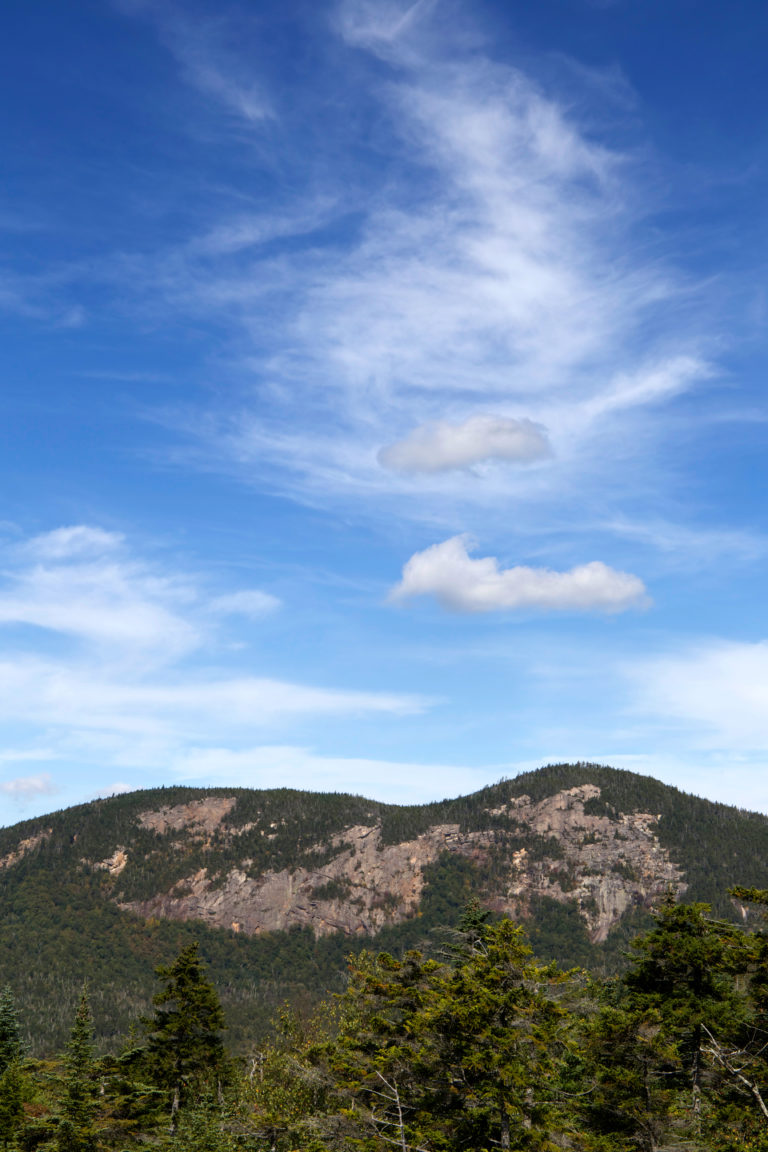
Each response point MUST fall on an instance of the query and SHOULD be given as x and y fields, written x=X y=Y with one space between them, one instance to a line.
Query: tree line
x=477 y=1047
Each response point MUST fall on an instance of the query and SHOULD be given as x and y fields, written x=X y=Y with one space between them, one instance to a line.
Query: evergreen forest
x=478 y=1046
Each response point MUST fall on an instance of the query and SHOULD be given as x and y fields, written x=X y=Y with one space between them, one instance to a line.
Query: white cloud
x=509 y=263
x=210 y=57
x=378 y=25
x=76 y=540
x=70 y=697
x=116 y=604
x=248 y=602
x=448 y=573
x=27 y=787
x=497 y=270
x=126 y=682
x=268 y=766
x=716 y=692
x=651 y=385
x=441 y=447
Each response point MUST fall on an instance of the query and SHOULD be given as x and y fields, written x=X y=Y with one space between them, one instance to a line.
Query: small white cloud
x=462 y=584
x=442 y=447
x=249 y=602
x=76 y=540
x=25 y=787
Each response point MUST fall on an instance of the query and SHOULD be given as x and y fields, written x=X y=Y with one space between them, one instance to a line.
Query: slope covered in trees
x=65 y=875
x=479 y=1047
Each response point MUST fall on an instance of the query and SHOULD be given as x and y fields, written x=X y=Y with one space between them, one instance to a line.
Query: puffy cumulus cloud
x=716 y=692
x=249 y=602
x=447 y=572
x=442 y=447
x=27 y=787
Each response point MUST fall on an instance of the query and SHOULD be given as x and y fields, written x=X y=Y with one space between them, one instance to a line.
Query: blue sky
x=383 y=402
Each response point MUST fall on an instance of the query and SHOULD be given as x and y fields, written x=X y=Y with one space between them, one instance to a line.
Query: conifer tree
x=11 y=1103
x=10 y=1032
x=76 y=1131
x=185 y=1054
x=453 y=1057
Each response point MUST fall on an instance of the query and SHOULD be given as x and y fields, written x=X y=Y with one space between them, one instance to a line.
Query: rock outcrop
x=604 y=864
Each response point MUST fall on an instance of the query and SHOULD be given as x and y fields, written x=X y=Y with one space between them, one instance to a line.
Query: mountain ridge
x=280 y=884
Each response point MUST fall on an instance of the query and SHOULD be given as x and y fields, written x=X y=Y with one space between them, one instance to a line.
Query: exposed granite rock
x=611 y=863
x=198 y=818
x=604 y=864
x=23 y=847
x=381 y=884
x=115 y=863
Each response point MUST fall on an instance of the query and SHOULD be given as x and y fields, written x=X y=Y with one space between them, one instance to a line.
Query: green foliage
x=451 y=1056
x=10 y=1029
x=11 y=1102
x=483 y=1048
x=61 y=920
x=558 y=932
x=76 y=1132
x=185 y=1051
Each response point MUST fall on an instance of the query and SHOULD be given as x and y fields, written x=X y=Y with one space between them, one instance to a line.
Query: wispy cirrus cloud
x=208 y=53
x=447 y=572
x=109 y=654
x=714 y=691
x=246 y=602
x=494 y=283
x=71 y=582
x=395 y=781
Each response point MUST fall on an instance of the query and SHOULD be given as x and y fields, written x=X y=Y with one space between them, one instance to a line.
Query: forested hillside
x=279 y=887
x=480 y=1047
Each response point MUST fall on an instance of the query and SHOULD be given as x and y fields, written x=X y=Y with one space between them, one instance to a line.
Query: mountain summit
x=278 y=885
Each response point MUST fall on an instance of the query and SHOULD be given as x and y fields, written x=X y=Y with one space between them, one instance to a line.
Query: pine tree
x=654 y=1040
x=76 y=1132
x=11 y=1103
x=10 y=1032
x=185 y=1054
x=453 y=1057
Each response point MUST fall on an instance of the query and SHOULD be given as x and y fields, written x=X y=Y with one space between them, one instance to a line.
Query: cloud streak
x=715 y=691
x=115 y=668
x=488 y=278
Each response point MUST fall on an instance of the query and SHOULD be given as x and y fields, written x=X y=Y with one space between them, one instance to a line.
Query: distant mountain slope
x=279 y=885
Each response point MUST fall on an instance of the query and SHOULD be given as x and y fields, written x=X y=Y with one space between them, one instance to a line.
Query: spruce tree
x=10 y=1032
x=76 y=1132
x=185 y=1054
x=11 y=1103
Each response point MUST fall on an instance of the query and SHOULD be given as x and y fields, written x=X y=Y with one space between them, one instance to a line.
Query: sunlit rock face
x=603 y=863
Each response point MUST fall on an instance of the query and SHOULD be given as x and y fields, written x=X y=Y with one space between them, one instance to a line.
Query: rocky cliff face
x=602 y=863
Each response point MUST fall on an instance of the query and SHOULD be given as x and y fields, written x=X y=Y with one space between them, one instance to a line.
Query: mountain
x=280 y=885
